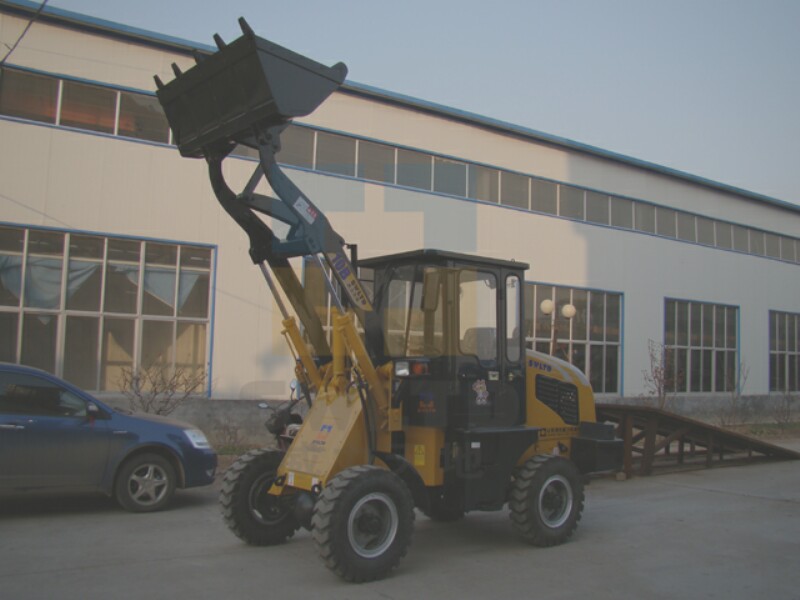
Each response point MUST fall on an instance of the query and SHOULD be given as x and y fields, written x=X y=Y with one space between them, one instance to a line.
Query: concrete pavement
x=726 y=533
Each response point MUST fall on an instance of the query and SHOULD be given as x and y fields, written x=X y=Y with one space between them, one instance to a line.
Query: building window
x=514 y=190
x=787 y=249
x=297 y=147
x=773 y=245
x=784 y=352
x=449 y=176
x=414 y=169
x=622 y=213
x=336 y=154
x=665 y=221
x=141 y=117
x=701 y=341
x=597 y=209
x=88 y=107
x=571 y=202
x=757 y=242
x=590 y=340
x=483 y=183
x=645 y=217
x=686 y=227
x=375 y=161
x=28 y=96
x=705 y=231
x=741 y=238
x=544 y=196
x=85 y=307
x=724 y=235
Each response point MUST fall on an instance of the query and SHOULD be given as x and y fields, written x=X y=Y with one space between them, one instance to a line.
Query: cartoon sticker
x=481 y=393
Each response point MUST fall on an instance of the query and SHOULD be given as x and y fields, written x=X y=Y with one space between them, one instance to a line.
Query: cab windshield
x=412 y=317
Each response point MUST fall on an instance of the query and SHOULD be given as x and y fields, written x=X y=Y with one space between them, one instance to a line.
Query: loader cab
x=452 y=326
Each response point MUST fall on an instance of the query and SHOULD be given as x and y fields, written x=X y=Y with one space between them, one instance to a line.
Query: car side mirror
x=93 y=412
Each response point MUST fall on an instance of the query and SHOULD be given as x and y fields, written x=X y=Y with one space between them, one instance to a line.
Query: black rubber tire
x=254 y=516
x=438 y=509
x=546 y=500
x=145 y=483
x=363 y=522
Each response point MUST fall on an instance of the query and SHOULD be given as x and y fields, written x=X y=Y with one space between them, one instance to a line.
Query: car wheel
x=145 y=483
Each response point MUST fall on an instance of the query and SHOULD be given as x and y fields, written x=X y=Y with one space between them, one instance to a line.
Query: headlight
x=401 y=368
x=197 y=439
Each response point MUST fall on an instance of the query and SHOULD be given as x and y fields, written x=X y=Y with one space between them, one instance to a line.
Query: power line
x=25 y=31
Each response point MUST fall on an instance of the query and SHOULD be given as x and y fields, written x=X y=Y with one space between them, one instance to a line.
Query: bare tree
x=783 y=411
x=735 y=411
x=160 y=388
x=658 y=377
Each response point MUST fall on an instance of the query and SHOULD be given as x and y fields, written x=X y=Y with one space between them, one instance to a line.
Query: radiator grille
x=561 y=397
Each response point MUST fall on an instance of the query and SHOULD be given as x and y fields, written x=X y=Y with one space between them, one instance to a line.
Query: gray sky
x=709 y=87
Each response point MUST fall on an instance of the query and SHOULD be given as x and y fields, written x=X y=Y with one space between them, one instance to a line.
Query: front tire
x=145 y=483
x=255 y=516
x=546 y=500
x=363 y=522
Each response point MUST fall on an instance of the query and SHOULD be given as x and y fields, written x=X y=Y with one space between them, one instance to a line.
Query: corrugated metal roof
x=117 y=30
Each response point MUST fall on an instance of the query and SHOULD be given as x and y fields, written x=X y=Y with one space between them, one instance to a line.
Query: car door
x=49 y=438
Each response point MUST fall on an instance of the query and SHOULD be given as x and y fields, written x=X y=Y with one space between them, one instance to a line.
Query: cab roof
x=442 y=258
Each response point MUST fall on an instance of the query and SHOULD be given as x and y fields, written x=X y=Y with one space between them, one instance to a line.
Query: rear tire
x=546 y=500
x=363 y=522
x=249 y=511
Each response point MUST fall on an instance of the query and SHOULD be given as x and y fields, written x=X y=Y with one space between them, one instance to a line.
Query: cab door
x=489 y=381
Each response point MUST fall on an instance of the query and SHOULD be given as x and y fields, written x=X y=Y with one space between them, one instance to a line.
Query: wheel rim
x=148 y=484
x=555 y=501
x=372 y=525
x=264 y=507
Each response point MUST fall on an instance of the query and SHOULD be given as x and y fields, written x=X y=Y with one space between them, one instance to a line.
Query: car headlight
x=197 y=438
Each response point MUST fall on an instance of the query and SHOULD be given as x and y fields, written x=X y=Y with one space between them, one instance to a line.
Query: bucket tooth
x=159 y=83
x=246 y=29
x=198 y=58
x=176 y=69
x=219 y=41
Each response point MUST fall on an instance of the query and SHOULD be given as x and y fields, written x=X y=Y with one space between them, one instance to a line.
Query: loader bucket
x=248 y=85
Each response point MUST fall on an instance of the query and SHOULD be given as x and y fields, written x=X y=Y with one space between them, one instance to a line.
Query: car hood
x=157 y=419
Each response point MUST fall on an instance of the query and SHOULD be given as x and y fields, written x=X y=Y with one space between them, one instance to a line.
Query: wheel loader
x=423 y=397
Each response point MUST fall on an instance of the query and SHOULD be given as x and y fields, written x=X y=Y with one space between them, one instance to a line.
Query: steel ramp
x=659 y=440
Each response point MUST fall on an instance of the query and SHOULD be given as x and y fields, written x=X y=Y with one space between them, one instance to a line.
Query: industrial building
x=115 y=254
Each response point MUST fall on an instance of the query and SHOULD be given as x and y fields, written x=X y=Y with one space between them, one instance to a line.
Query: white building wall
x=76 y=180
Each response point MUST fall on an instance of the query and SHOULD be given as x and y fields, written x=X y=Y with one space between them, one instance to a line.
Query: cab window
x=413 y=313
x=477 y=314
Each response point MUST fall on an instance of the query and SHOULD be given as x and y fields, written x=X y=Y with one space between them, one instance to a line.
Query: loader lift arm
x=247 y=93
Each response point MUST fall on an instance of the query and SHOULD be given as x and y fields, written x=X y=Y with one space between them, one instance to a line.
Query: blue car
x=56 y=438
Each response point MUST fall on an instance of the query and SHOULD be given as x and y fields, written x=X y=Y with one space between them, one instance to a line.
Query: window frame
x=60 y=316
